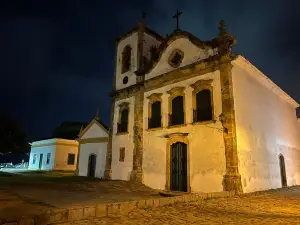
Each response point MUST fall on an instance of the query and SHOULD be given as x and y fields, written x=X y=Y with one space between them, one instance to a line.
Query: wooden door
x=92 y=166
x=178 y=167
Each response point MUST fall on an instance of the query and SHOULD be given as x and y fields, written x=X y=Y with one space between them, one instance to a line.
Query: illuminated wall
x=121 y=170
x=58 y=150
x=89 y=145
x=266 y=127
x=206 y=145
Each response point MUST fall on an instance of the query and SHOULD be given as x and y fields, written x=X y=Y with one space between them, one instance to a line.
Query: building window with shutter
x=154 y=111
x=203 y=101
x=48 y=158
x=71 y=159
x=122 y=154
x=176 y=106
x=122 y=126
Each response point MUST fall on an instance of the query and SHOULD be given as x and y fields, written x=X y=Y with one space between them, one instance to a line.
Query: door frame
x=282 y=168
x=41 y=161
x=172 y=139
x=89 y=165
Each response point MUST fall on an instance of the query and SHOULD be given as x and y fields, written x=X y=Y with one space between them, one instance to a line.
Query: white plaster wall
x=99 y=149
x=131 y=40
x=191 y=54
x=149 y=42
x=206 y=146
x=122 y=170
x=61 y=157
x=95 y=131
x=265 y=128
x=42 y=150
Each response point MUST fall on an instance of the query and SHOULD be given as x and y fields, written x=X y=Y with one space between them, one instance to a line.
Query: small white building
x=54 y=154
x=92 y=149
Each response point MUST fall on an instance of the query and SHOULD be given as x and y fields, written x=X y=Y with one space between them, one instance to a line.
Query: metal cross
x=178 y=13
x=143 y=15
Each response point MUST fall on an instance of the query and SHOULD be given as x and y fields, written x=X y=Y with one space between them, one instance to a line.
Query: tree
x=12 y=136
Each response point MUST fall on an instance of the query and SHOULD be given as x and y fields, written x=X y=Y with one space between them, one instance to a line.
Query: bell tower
x=132 y=50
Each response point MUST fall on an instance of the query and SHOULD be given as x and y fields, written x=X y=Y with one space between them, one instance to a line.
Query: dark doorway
x=41 y=161
x=92 y=165
x=282 y=171
x=178 y=167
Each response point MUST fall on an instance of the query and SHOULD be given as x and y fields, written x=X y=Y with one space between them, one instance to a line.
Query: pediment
x=186 y=50
x=94 y=130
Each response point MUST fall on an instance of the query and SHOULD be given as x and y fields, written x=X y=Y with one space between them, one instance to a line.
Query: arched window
x=123 y=118
x=176 y=106
x=203 y=111
x=154 y=118
x=126 y=59
x=177 y=111
x=203 y=101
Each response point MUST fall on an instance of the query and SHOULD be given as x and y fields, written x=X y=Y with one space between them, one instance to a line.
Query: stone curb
x=102 y=210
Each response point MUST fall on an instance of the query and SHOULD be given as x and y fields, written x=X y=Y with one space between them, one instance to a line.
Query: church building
x=93 y=141
x=189 y=115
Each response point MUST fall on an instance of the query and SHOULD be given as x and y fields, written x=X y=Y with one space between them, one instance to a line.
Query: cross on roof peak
x=177 y=14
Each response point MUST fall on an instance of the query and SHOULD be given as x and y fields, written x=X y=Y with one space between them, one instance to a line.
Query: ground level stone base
x=269 y=207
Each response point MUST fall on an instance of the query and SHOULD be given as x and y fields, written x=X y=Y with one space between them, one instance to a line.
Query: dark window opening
x=123 y=125
x=125 y=80
x=34 y=159
x=48 y=158
x=203 y=111
x=176 y=59
x=155 y=120
x=71 y=159
x=126 y=59
x=177 y=116
x=122 y=154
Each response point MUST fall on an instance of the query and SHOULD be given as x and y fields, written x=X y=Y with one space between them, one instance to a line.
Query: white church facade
x=92 y=149
x=189 y=115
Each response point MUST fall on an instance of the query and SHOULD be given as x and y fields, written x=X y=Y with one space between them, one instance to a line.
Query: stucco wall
x=122 y=170
x=99 y=149
x=206 y=146
x=191 y=54
x=61 y=156
x=149 y=42
x=131 y=40
x=265 y=128
x=94 y=132
x=42 y=150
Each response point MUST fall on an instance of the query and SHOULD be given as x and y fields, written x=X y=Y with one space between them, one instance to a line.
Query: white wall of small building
x=42 y=150
x=122 y=170
x=266 y=127
x=206 y=146
x=98 y=149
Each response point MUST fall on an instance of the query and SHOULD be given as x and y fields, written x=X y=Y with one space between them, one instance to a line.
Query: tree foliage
x=12 y=136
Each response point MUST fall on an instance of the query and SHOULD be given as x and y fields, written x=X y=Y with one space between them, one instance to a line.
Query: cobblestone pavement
x=280 y=207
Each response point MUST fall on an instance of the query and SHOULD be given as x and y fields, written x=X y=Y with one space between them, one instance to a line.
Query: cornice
x=263 y=79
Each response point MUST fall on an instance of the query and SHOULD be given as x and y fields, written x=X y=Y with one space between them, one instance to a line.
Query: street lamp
x=222 y=119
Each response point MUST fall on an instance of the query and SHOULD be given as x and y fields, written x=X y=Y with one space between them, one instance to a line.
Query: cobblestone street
x=274 y=207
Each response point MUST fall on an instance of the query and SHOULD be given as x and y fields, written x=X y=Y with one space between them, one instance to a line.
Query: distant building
x=92 y=149
x=54 y=154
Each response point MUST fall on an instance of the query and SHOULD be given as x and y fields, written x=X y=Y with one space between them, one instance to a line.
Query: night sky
x=57 y=57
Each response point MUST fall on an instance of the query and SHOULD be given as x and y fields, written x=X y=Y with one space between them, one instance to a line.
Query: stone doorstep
x=103 y=210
